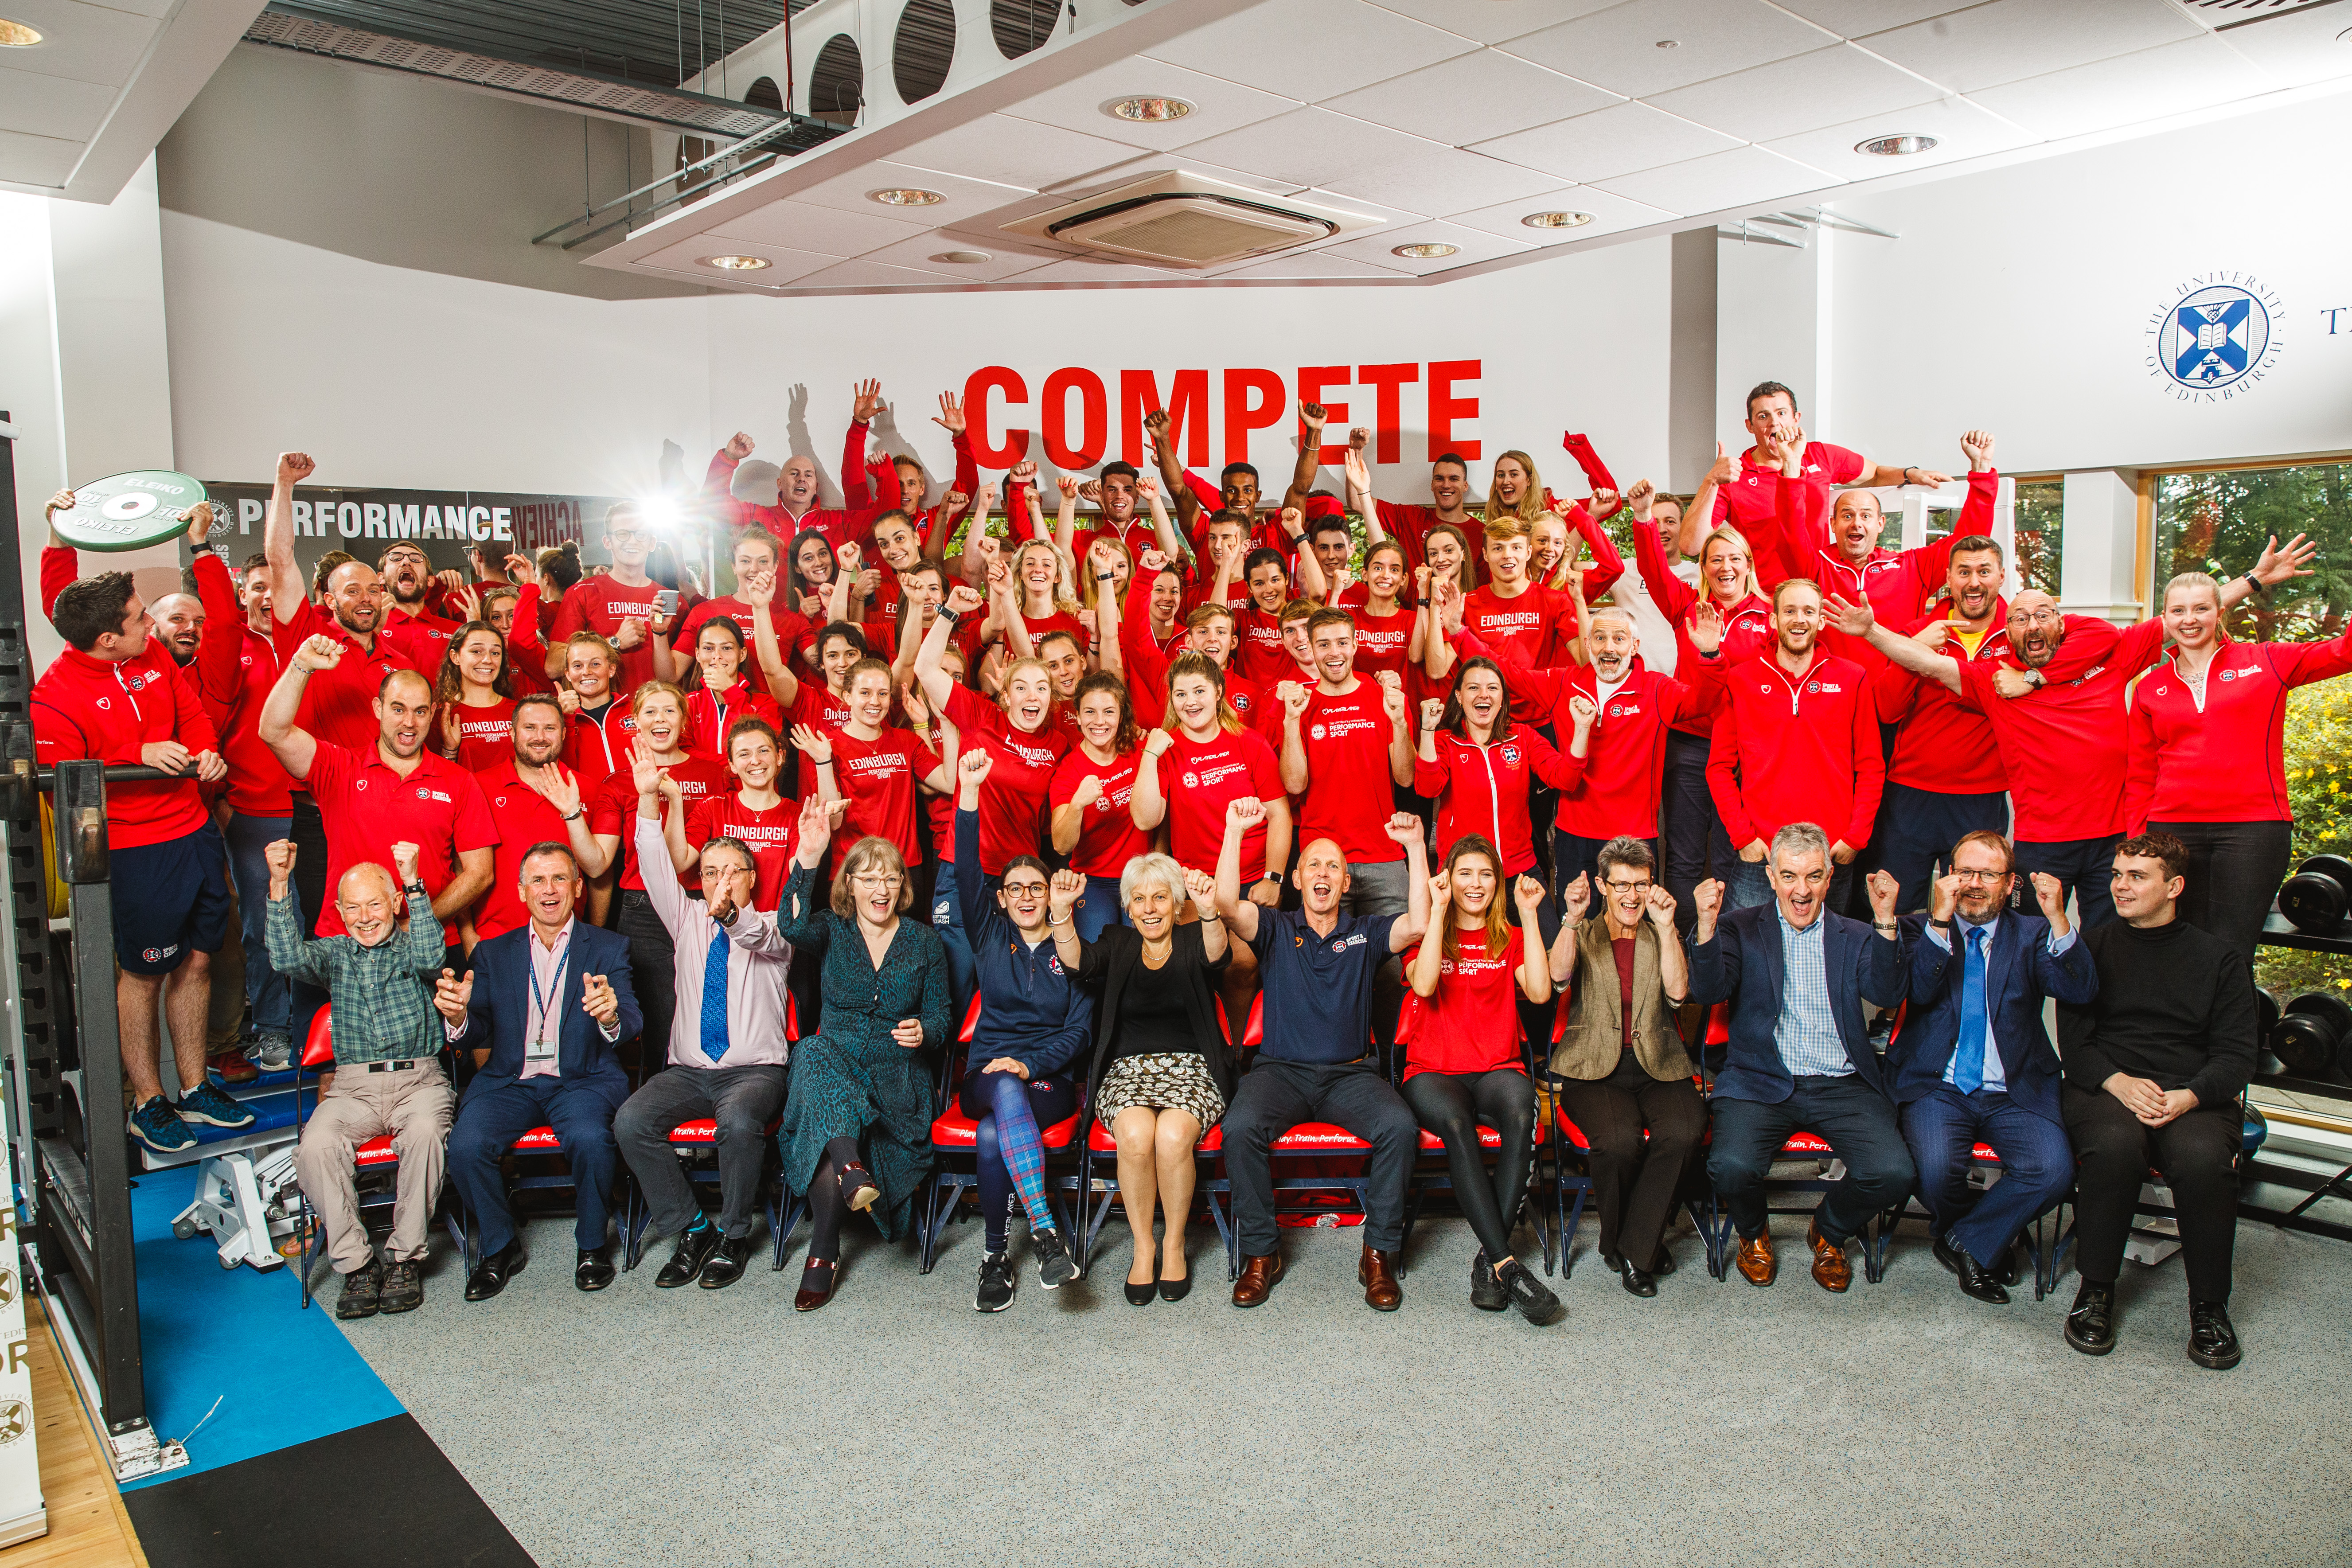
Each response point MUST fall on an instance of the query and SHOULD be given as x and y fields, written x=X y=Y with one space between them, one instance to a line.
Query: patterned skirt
x=1175 y=1080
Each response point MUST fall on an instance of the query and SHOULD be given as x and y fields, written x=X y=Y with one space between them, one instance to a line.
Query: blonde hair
x=1531 y=505
x=1063 y=573
x=1012 y=667
x=1192 y=661
x=1727 y=534
x=656 y=688
x=1088 y=589
x=869 y=852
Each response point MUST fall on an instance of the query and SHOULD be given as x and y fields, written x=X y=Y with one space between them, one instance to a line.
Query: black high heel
x=1176 y=1289
x=1141 y=1295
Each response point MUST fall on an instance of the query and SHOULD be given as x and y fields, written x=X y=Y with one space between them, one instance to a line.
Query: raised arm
x=1238 y=913
x=295 y=747
x=1148 y=806
x=936 y=681
x=760 y=592
x=1860 y=621
x=1421 y=974
x=1310 y=459
x=1407 y=831
x=288 y=592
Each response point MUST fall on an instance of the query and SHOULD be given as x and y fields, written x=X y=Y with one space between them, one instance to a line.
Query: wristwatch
x=413 y=885
x=575 y=813
x=2256 y=585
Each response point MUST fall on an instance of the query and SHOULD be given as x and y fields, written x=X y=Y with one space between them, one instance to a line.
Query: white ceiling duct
x=1176 y=219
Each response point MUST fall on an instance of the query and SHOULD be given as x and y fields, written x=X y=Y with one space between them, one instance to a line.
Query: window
x=2217 y=522
x=2040 y=505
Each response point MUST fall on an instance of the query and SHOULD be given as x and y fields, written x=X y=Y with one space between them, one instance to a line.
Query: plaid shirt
x=1807 y=1032
x=381 y=997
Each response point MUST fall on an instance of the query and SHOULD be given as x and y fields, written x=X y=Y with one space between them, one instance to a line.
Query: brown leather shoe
x=1377 y=1274
x=1833 y=1270
x=1757 y=1264
x=1259 y=1277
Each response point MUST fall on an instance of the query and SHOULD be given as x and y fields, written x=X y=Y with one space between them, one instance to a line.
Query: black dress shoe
x=2015 y=1263
x=694 y=1250
x=1486 y=1292
x=490 y=1275
x=1142 y=1295
x=2212 y=1340
x=1976 y=1279
x=2091 y=1321
x=594 y=1270
x=727 y=1266
x=1665 y=1263
x=1637 y=1281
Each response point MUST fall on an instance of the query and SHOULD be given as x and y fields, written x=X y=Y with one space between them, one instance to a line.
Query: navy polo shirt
x=1319 y=989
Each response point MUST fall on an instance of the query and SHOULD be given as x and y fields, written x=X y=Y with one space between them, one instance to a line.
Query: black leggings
x=653 y=969
x=1454 y=1105
x=827 y=1208
x=2234 y=872
x=2198 y=1153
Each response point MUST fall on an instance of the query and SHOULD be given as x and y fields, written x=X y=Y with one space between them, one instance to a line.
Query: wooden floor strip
x=88 y=1526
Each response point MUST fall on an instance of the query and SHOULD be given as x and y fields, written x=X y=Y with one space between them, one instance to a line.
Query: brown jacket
x=1587 y=1047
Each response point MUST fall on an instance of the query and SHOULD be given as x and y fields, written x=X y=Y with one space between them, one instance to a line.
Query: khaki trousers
x=416 y=1106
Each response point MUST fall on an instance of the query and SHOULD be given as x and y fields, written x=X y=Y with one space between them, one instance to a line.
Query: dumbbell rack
x=2278 y=932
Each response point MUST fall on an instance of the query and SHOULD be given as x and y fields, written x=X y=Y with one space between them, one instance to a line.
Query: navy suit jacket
x=499 y=1016
x=2019 y=973
x=1742 y=962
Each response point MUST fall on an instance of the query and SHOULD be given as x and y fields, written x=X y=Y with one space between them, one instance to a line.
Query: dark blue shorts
x=170 y=898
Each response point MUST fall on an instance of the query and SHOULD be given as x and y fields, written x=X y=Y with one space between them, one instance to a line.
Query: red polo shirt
x=338 y=704
x=524 y=817
x=367 y=808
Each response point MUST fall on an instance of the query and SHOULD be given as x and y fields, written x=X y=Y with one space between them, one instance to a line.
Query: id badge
x=540 y=1050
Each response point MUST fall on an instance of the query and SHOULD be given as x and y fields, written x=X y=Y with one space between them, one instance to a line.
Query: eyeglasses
x=1976 y=878
x=1616 y=887
x=1025 y=890
x=876 y=879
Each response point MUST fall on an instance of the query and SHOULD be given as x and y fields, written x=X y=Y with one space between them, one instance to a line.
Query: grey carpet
x=1715 y=1424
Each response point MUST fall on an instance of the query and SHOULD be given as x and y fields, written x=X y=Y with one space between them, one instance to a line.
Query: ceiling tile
x=1857 y=18
x=1961 y=130
x=1471 y=245
x=845 y=192
x=921 y=252
x=1311 y=49
x=1490 y=22
x=1014 y=152
x=863 y=274
x=1607 y=141
x=785 y=263
x=1312 y=146
x=1313 y=266
x=827 y=231
x=1154 y=162
x=2009 y=40
x=1427 y=181
x=36 y=159
x=1741 y=177
x=56 y=106
x=1620 y=48
x=1218 y=105
x=1102 y=272
x=88 y=43
x=1611 y=215
x=1803 y=92
x=2172 y=79
x=1471 y=97
x=2298 y=48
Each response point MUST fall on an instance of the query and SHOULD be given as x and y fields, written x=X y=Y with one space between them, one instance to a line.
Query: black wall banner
x=445 y=524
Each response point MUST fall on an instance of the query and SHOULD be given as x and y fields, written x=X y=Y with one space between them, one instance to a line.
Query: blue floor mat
x=283 y=1375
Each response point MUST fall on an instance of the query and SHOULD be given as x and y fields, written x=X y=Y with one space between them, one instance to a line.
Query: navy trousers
x=2083 y=867
x=1857 y=1121
x=2037 y=1165
x=493 y=1115
x=1917 y=830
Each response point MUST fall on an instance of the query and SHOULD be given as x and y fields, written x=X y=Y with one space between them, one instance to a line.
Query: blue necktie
x=714 y=998
x=1967 y=1066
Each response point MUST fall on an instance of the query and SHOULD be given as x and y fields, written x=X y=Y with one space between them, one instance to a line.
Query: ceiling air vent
x=2228 y=14
x=1175 y=219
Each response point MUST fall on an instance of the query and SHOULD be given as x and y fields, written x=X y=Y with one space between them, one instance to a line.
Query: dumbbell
x=2314 y=1027
x=2319 y=894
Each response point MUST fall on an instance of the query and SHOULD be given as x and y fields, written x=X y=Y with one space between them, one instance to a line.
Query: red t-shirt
x=1198 y=779
x=1258 y=652
x=773 y=835
x=1470 y=1024
x=484 y=734
x=819 y=706
x=877 y=777
x=524 y=817
x=1382 y=641
x=1347 y=794
x=338 y=704
x=1038 y=629
x=367 y=808
x=1107 y=837
x=1540 y=621
x=616 y=809
x=1013 y=811
x=600 y=605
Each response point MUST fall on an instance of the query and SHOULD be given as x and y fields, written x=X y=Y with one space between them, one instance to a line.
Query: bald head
x=355 y=598
x=1322 y=876
x=179 y=621
x=2036 y=627
x=368 y=897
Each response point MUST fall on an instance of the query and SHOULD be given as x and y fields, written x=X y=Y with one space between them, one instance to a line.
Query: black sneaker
x=2091 y=1321
x=363 y=1294
x=996 y=1275
x=1486 y=1292
x=2212 y=1340
x=1055 y=1267
x=402 y=1291
x=1536 y=1303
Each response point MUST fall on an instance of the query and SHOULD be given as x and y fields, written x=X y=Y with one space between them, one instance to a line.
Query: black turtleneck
x=2175 y=1007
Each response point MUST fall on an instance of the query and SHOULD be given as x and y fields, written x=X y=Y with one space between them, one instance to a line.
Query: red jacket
x=2062 y=746
x=839 y=525
x=1943 y=745
x=1899 y=587
x=2192 y=759
x=236 y=667
x=90 y=707
x=1790 y=749
x=1746 y=625
x=1484 y=789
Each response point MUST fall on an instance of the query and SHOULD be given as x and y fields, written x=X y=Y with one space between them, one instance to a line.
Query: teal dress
x=853 y=1080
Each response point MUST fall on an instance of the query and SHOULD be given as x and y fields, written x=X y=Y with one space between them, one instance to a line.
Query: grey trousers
x=743 y=1101
x=415 y=1106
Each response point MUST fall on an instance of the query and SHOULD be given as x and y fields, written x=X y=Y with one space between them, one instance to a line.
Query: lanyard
x=548 y=1026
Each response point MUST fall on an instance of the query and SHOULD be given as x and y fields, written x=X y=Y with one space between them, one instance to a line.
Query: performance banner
x=445 y=524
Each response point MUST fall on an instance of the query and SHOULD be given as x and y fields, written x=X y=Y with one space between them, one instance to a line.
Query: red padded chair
x=1099 y=1189
x=955 y=1137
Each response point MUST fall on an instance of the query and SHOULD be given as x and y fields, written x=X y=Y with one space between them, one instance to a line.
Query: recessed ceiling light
x=16 y=36
x=1556 y=220
x=1425 y=252
x=963 y=257
x=1896 y=146
x=737 y=263
x=1670 y=43
x=904 y=196
x=1147 y=110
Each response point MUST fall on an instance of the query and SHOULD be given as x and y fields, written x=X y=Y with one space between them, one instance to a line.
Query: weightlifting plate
x=129 y=511
x=2313 y=1030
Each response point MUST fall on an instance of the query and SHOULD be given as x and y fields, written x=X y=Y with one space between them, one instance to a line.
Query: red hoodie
x=2192 y=754
x=88 y=707
x=1797 y=748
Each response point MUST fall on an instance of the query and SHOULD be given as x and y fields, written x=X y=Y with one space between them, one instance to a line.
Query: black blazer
x=1105 y=966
